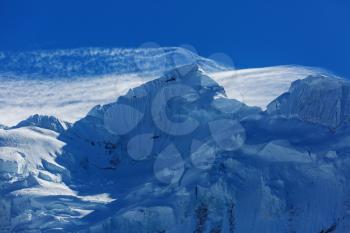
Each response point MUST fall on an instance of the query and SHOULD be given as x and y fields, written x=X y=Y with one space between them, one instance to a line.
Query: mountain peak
x=185 y=84
x=183 y=102
x=316 y=99
x=45 y=122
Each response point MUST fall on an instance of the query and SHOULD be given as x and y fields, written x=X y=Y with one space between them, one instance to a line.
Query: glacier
x=178 y=154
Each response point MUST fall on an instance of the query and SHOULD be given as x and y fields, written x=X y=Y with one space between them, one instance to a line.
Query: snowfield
x=177 y=153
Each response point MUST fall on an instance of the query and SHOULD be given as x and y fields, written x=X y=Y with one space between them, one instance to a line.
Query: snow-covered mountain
x=324 y=100
x=45 y=122
x=68 y=83
x=176 y=154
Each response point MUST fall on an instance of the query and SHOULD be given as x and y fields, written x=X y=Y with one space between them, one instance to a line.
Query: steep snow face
x=323 y=100
x=176 y=155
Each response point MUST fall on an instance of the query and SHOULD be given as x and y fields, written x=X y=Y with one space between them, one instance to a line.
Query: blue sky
x=254 y=33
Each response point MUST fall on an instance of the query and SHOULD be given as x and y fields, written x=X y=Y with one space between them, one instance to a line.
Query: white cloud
x=67 y=99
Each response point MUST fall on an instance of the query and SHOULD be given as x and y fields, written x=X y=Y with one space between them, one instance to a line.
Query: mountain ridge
x=176 y=155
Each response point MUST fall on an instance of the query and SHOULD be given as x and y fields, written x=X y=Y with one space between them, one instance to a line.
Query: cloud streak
x=66 y=99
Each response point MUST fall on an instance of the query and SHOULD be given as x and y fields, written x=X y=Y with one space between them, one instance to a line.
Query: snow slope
x=176 y=155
